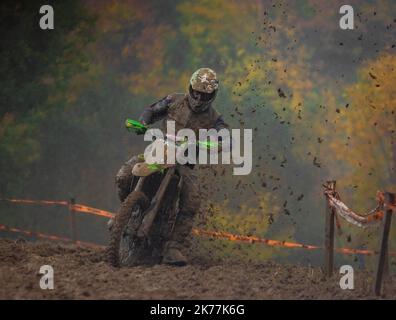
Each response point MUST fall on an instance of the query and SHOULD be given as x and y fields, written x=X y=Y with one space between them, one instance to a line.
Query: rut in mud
x=81 y=273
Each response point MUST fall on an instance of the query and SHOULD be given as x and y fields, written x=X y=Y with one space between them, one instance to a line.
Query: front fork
x=155 y=204
x=138 y=187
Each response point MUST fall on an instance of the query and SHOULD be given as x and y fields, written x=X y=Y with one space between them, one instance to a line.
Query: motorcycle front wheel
x=124 y=247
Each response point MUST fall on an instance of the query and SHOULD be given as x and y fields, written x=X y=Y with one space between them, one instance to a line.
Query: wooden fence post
x=73 y=220
x=383 y=254
x=329 y=234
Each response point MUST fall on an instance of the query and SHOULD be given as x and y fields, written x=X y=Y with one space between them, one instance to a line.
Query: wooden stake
x=329 y=234
x=383 y=254
x=73 y=220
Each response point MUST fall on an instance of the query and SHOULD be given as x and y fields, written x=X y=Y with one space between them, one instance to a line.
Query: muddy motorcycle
x=146 y=218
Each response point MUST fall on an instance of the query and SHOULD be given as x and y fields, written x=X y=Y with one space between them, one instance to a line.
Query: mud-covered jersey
x=175 y=107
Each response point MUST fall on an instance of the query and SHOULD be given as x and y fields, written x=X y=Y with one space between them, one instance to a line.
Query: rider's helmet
x=202 y=89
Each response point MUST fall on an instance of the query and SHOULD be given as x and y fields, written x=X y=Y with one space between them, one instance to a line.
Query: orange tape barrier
x=47 y=236
x=252 y=239
x=197 y=232
x=285 y=244
x=76 y=207
x=43 y=202
x=97 y=212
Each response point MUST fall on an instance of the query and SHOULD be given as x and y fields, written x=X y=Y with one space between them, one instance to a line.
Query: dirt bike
x=147 y=216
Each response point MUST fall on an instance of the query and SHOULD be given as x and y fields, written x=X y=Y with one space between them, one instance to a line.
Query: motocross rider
x=191 y=110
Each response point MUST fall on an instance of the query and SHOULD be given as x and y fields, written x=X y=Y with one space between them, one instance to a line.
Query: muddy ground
x=81 y=273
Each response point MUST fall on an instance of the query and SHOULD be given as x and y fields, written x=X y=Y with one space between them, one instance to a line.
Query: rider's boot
x=180 y=239
x=172 y=254
x=123 y=181
x=124 y=178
